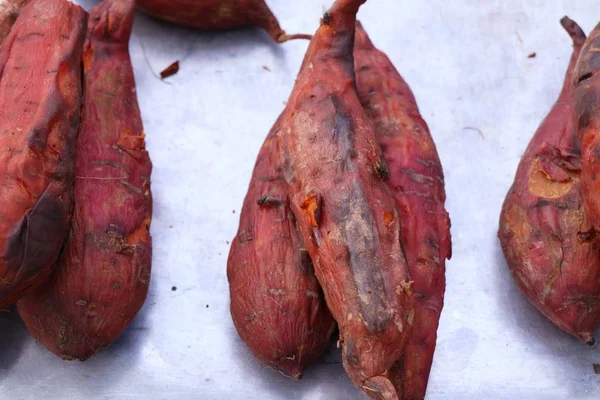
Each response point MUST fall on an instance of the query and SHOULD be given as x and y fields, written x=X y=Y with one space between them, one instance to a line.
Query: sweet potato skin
x=103 y=273
x=277 y=304
x=586 y=102
x=9 y=12
x=217 y=15
x=417 y=181
x=545 y=233
x=40 y=106
x=345 y=210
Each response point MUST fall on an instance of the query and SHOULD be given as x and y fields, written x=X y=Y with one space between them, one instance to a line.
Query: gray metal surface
x=483 y=98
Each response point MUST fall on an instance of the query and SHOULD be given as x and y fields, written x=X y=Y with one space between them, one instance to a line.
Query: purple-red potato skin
x=40 y=112
x=586 y=103
x=9 y=12
x=103 y=273
x=218 y=15
x=545 y=233
x=417 y=182
x=277 y=304
x=344 y=208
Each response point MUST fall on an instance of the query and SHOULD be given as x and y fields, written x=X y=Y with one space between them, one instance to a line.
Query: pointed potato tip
x=380 y=388
x=573 y=29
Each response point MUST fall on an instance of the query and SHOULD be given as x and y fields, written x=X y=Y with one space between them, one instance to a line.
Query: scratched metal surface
x=468 y=67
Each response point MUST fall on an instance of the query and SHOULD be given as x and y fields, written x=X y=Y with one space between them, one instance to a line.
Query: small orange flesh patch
x=388 y=218
x=141 y=235
x=542 y=185
x=313 y=206
x=128 y=140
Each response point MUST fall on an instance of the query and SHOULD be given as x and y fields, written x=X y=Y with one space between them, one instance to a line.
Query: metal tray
x=483 y=98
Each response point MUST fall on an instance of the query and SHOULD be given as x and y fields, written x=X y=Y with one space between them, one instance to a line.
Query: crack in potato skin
x=545 y=232
x=103 y=272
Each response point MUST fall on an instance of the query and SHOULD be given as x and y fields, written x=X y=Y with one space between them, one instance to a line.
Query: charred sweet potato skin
x=345 y=211
x=277 y=304
x=217 y=15
x=103 y=273
x=9 y=12
x=586 y=103
x=545 y=233
x=417 y=182
x=40 y=107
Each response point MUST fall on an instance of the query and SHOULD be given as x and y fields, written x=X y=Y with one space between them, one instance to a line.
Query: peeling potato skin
x=103 y=273
x=40 y=107
x=546 y=237
x=417 y=182
x=218 y=15
x=277 y=304
x=586 y=103
x=345 y=210
x=9 y=12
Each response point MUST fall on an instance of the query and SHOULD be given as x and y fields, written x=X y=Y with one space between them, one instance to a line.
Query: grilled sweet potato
x=545 y=234
x=218 y=15
x=40 y=106
x=417 y=181
x=586 y=103
x=9 y=12
x=277 y=304
x=344 y=208
x=104 y=270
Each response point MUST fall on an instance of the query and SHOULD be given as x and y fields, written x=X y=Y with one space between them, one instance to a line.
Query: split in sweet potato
x=277 y=304
x=40 y=107
x=103 y=273
x=545 y=233
x=217 y=15
x=416 y=179
x=344 y=208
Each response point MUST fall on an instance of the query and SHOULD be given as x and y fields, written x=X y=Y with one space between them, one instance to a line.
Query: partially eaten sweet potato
x=546 y=235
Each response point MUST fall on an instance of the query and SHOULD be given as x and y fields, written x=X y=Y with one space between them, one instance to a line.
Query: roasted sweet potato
x=218 y=15
x=586 y=106
x=40 y=107
x=344 y=208
x=9 y=12
x=546 y=236
x=277 y=304
x=417 y=181
x=103 y=273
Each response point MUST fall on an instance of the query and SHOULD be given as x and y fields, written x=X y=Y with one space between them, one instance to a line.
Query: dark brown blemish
x=382 y=170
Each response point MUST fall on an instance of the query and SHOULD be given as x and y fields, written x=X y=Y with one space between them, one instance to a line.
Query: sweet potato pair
x=339 y=185
x=102 y=276
x=217 y=15
x=546 y=234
